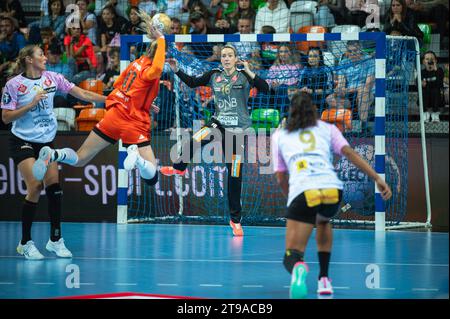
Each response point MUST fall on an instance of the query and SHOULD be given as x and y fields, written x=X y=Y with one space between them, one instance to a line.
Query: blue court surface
x=207 y=262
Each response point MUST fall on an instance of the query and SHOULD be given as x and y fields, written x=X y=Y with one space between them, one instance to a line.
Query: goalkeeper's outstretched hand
x=173 y=64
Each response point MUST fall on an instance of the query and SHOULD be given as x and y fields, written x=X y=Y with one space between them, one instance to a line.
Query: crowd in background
x=90 y=49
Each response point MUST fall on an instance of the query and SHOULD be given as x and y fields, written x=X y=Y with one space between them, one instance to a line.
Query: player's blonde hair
x=20 y=65
x=147 y=19
x=228 y=46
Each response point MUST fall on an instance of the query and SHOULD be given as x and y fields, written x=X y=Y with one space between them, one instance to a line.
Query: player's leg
x=26 y=246
x=299 y=225
x=297 y=236
x=93 y=144
x=143 y=158
x=235 y=170
x=54 y=195
x=203 y=136
x=324 y=236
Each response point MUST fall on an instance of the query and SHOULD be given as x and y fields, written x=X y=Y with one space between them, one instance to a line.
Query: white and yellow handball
x=162 y=22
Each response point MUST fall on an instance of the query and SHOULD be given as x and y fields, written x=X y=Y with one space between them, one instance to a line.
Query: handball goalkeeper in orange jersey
x=127 y=117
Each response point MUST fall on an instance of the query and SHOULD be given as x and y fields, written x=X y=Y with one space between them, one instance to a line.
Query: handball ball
x=162 y=22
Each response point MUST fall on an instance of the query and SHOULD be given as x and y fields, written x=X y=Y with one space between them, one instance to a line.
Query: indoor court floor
x=198 y=261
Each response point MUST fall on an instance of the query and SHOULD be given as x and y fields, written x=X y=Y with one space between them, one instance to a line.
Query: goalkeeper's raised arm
x=230 y=85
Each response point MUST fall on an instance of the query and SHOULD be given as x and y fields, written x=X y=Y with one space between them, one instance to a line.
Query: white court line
x=72 y=179
x=87 y=284
x=338 y=288
x=125 y=284
x=252 y=286
x=226 y=226
x=44 y=283
x=239 y=261
x=425 y=289
x=6 y=283
x=170 y=285
x=210 y=285
x=382 y=288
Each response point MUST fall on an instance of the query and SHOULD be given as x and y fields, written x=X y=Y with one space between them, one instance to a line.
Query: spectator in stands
x=402 y=19
x=323 y=15
x=175 y=27
x=431 y=11
x=284 y=72
x=275 y=14
x=432 y=87
x=67 y=68
x=199 y=6
x=248 y=51
x=135 y=25
x=148 y=6
x=212 y=5
x=245 y=10
x=269 y=50
x=228 y=11
x=79 y=47
x=55 y=19
x=113 y=70
x=285 y=69
x=200 y=26
x=88 y=21
x=316 y=78
x=11 y=40
x=355 y=82
x=47 y=38
x=174 y=8
x=13 y=9
x=108 y=28
x=120 y=6
x=355 y=13
x=339 y=11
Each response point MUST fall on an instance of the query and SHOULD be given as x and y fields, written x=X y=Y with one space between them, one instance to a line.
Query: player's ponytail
x=147 y=19
x=19 y=66
x=302 y=113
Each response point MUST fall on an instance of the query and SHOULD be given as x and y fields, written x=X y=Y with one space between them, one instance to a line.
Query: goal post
x=374 y=143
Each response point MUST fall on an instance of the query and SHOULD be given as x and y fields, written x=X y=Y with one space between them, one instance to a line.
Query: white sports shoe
x=58 y=248
x=41 y=164
x=427 y=116
x=130 y=161
x=29 y=250
x=324 y=286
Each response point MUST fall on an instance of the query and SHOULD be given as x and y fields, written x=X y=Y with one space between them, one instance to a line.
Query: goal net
x=359 y=81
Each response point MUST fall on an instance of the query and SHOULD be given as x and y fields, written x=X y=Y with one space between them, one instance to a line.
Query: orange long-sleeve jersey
x=136 y=88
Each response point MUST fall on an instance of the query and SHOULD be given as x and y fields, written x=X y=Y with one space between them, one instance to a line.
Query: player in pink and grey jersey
x=302 y=157
x=27 y=102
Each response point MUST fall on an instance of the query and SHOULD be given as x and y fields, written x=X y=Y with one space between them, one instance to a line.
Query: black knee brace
x=152 y=181
x=53 y=191
x=291 y=257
